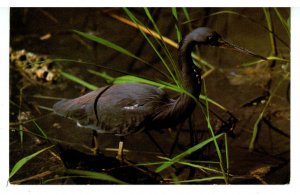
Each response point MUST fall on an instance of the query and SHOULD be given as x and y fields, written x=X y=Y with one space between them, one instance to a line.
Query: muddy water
x=232 y=87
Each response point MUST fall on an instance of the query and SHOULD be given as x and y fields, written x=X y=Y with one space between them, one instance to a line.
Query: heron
x=123 y=109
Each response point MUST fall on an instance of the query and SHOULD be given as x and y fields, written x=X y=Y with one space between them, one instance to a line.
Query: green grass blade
x=161 y=84
x=136 y=21
x=202 y=161
x=186 y=153
x=199 y=167
x=149 y=163
x=227 y=12
x=109 y=44
x=275 y=58
x=25 y=160
x=255 y=128
x=251 y=20
x=255 y=131
x=270 y=28
x=200 y=180
x=226 y=154
x=285 y=24
x=61 y=178
x=213 y=135
x=95 y=175
x=288 y=21
x=41 y=130
x=104 y=75
x=204 y=97
x=188 y=18
x=195 y=165
x=175 y=179
x=178 y=32
x=78 y=80
x=44 y=97
x=21 y=133
x=91 y=64
x=134 y=79
x=186 y=13
x=174 y=13
x=165 y=48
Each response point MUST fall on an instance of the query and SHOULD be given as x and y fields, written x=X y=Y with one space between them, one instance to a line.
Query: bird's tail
x=62 y=107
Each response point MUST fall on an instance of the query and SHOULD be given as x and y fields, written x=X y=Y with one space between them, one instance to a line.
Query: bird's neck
x=191 y=80
x=178 y=110
x=190 y=73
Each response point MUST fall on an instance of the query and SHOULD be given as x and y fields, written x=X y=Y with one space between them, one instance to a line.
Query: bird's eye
x=210 y=37
x=213 y=39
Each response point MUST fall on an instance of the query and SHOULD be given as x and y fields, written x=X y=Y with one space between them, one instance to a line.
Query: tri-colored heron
x=122 y=109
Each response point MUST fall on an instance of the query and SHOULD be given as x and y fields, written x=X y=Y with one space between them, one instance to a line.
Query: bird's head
x=204 y=35
x=207 y=36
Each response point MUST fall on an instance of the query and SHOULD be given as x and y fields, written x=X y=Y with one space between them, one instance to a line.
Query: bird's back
x=119 y=109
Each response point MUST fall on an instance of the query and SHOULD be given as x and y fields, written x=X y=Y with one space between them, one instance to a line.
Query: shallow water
x=229 y=85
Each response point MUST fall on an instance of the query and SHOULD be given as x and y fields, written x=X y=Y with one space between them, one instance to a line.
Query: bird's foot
x=94 y=150
x=120 y=158
x=120 y=155
x=123 y=160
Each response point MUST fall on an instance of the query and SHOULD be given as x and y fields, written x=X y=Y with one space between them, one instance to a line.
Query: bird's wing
x=79 y=109
x=121 y=109
x=123 y=117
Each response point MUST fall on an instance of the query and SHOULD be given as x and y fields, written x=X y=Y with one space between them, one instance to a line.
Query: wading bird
x=123 y=109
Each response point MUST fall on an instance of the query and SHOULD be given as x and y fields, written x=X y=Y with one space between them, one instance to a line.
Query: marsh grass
x=257 y=122
x=75 y=173
x=273 y=56
x=25 y=160
x=218 y=169
x=175 y=85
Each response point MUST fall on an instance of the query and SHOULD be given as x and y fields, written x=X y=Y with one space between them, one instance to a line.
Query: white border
x=142 y=189
x=4 y=94
x=150 y=3
x=295 y=97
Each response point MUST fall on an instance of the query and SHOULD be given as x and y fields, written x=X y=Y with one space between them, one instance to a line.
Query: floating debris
x=261 y=172
x=38 y=69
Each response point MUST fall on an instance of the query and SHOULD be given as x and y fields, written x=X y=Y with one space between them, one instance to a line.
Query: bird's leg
x=175 y=142
x=120 y=155
x=192 y=143
x=95 y=150
x=155 y=143
x=95 y=144
x=192 y=132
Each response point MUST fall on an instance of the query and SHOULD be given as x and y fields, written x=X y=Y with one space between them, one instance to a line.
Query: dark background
x=272 y=147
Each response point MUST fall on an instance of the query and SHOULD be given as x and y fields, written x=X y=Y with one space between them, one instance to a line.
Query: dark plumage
x=122 y=109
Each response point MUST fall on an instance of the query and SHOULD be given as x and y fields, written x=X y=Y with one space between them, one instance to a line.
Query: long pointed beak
x=225 y=44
